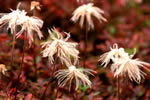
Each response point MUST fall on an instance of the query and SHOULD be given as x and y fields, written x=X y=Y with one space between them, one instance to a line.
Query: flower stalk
x=86 y=45
x=118 y=88
x=13 y=46
x=50 y=80
x=124 y=65
x=22 y=61
x=84 y=14
x=34 y=38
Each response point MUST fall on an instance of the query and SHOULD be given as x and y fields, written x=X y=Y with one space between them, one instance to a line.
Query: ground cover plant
x=75 y=50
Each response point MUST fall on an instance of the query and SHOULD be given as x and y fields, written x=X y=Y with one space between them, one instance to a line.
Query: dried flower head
x=35 y=4
x=114 y=52
x=12 y=18
x=66 y=76
x=59 y=46
x=85 y=12
x=123 y=64
x=30 y=25
x=129 y=67
x=3 y=68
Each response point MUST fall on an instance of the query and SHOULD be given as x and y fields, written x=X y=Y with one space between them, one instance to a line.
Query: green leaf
x=141 y=93
x=82 y=88
x=147 y=22
x=112 y=29
x=132 y=4
x=131 y=51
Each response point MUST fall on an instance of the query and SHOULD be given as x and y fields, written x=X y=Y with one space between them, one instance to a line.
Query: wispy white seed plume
x=73 y=74
x=85 y=13
x=57 y=45
x=114 y=52
x=12 y=18
x=129 y=67
x=123 y=64
x=30 y=25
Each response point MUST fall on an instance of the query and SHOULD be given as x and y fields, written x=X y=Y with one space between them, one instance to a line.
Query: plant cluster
x=66 y=60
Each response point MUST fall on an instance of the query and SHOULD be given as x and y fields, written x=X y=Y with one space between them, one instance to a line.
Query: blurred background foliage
x=128 y=25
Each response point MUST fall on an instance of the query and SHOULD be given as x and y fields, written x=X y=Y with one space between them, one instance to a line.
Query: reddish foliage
x=128 y=25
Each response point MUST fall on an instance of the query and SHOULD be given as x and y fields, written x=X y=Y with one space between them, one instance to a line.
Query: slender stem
x=75 y=96
x=73 y=91
x=57 y=89
x=43 y=95
x=127 y=86
x=21 y=65
x=57 y=92
x=85 y=43
x=118 y=88
x=34 y=56
x=34 y=45
x=13 y=46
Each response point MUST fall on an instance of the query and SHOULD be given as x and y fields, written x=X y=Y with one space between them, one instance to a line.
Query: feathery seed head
x=129 y=67
x=12 y=19
x=123 y=64
x=30 y=25
x=59 y=46
x=113 y=54
x=66 y=76
x=84 y=14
